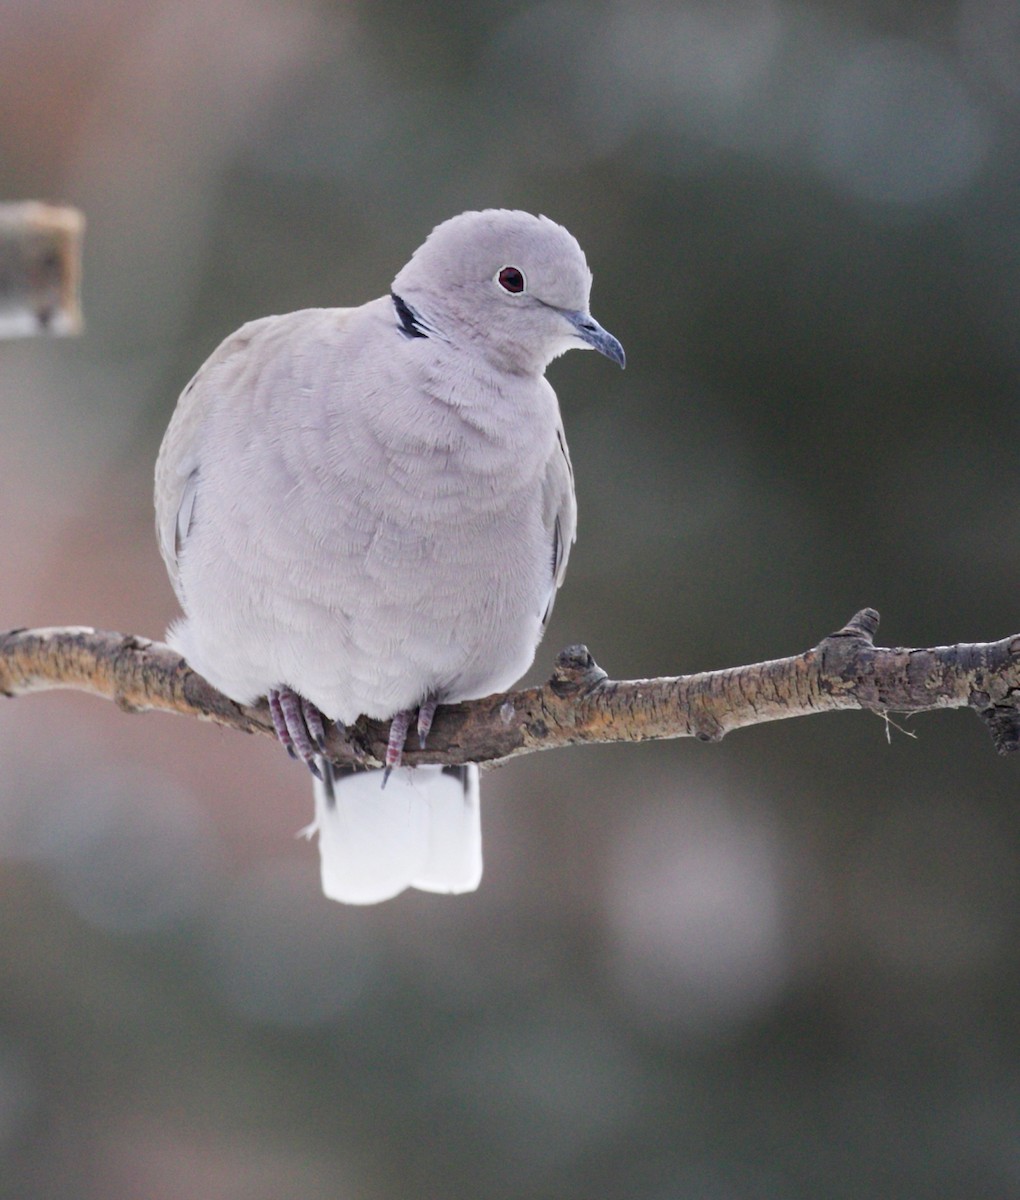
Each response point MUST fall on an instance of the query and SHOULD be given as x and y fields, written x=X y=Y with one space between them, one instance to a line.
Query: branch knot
x=575 y=672
x=1003 y=721
x=862 y=626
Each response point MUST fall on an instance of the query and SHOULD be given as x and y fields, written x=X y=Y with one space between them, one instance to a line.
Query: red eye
x=511 y=280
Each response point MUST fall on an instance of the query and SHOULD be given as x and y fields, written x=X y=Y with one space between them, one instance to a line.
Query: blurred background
x=783 y=966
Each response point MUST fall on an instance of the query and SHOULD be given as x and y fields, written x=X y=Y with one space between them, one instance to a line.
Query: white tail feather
x=422 y=830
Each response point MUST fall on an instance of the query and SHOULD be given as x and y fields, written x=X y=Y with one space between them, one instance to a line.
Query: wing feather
x=218 y=380
x=560 y=511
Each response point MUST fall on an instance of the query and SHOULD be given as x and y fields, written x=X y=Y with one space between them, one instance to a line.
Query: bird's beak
x=591 y=332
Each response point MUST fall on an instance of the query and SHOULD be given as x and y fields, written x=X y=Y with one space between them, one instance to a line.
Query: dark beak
x=591 y=332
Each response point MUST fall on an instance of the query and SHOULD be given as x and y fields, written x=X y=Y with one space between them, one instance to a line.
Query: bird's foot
x=400 y=727
x=299 y=725
x=425 y=717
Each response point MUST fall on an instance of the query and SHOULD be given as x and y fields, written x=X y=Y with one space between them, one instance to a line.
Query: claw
x=399 y=726
x=316 y=726
x=280 y=722
x=299 y=726
x=425 y=717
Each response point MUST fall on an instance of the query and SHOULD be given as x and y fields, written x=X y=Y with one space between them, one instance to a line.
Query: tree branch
x=578 y=704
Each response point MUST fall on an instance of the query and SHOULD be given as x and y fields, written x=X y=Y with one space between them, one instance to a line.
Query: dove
x=368 y=511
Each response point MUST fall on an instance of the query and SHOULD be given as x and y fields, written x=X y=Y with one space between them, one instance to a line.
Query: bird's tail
x=423 y=830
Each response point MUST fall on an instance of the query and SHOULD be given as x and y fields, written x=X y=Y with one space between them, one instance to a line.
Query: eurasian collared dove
x=369 y=510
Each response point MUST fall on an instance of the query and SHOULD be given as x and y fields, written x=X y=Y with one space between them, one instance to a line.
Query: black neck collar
x=411 y=324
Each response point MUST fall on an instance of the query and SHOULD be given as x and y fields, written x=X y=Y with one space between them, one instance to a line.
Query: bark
x=578 y=704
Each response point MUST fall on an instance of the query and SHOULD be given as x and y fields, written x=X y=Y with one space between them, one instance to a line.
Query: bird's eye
x=510 y=279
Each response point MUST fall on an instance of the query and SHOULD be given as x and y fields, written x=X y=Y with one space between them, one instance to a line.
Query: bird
x=368 y=511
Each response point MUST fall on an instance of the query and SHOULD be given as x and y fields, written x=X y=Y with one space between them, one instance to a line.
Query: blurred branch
x=40 y=269
x=578 y=704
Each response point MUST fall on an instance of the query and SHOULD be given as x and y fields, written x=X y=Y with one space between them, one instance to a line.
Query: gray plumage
x=374 y=506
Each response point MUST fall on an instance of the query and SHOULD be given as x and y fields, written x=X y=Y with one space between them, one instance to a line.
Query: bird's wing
x=559 y=507
x=220 y=380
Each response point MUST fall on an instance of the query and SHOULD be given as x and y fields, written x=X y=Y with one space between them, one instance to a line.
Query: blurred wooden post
x=40 y=269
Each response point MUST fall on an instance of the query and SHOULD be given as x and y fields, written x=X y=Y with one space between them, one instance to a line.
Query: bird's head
x=505 y=284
